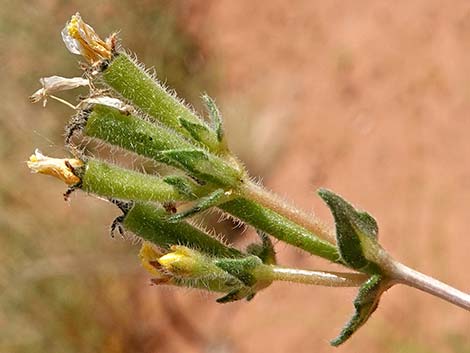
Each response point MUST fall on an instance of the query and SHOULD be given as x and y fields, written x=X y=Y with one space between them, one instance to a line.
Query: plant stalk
x=271 y=222
x=319 y=278
x=262 y=196
x=412 y=278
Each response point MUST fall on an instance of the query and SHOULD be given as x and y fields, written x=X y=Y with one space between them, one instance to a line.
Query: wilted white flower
x=107 y=101
x=54 y=84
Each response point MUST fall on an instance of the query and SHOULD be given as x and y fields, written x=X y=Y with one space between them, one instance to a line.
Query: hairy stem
x=280 y=227
x=275 y=203
x=319 y=278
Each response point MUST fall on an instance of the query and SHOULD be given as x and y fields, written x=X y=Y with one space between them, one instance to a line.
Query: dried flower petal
x=81 y=39
x=54 y=84
x=107 y=101
x=61 y=168
x=149 y=258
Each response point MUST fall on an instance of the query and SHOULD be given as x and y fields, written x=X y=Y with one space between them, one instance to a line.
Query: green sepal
x=209 y=283
x=265 y=251
x=182 y=184
x=199 y=132
x=203 y=166
x=356 y=233
x=161 y=144
x=241 y=268
x=128 y=78
x=150 y=223
x=111 y=181
x=236 y=294
x=204 y=203
x=365 y=304
x=215 y=116
x=244 y=270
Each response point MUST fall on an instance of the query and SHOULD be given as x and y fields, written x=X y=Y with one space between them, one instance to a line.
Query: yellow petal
x=61 y=168
x=148 y=258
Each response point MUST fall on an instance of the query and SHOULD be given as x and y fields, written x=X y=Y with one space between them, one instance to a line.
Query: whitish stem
x=63 y=101
x=405 y=275
x=319 y=278
x=308 y=221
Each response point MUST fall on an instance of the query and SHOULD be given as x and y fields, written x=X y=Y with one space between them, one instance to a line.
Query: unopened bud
x=184 y=262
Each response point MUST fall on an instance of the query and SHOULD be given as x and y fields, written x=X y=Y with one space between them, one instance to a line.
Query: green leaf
x=365 y=304
x=215 y=116
x=356 y=232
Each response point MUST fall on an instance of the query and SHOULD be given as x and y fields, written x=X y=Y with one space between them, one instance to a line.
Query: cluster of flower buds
x=131 y=110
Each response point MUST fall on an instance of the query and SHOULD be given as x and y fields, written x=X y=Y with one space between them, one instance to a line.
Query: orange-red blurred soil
x=372 y=100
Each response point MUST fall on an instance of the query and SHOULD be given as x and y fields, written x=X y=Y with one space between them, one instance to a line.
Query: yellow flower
x=182 y=261
x=61 y=168
x=81 y=39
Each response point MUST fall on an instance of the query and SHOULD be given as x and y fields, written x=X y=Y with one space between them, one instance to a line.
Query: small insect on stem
x=117 y=224
x=125 y=207
x=74 y=187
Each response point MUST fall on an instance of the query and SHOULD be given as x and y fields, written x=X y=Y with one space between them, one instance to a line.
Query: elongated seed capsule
x=161 y=144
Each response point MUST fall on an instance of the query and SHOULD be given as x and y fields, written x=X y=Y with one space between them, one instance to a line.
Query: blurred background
x=368 y=98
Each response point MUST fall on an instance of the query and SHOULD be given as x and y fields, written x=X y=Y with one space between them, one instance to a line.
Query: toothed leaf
x=356 y=232
x=365 y=304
